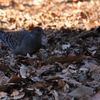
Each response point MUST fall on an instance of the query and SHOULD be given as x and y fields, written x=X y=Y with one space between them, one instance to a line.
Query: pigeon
x=23 y=42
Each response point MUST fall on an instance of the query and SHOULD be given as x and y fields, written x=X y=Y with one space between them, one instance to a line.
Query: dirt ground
x=67 y=67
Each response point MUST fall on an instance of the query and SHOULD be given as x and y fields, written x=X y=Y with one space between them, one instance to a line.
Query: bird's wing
x=14 y=39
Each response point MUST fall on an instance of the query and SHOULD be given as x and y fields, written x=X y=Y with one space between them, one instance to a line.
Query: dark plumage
x=23 y=42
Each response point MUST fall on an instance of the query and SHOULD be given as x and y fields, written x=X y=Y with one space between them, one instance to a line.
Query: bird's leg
x=40 y=56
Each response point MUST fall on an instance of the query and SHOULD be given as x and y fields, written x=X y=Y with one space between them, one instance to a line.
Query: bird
x=23 y=42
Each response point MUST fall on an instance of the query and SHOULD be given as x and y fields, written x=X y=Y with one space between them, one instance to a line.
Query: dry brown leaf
x=26 y=61
x=69 y=59
x=15 y=79
x=55 y=95
x=43 y=69
x=95 y=72
x=96 y=96
x=4 y=67
x=14 y=93
x=81 y=91
x=41 y=85
x=63 y=96
x=3 y=95
x=19 y=96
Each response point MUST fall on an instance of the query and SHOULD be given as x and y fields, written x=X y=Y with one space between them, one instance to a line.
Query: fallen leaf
x=19 y=96
x=95 y=72
x=69 y=59
x=81 y=91
x=96 y=96
x=15 y=79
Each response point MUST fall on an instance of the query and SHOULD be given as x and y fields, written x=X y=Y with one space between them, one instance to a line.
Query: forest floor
x=68 y=64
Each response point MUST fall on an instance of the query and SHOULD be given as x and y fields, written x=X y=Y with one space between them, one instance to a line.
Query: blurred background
x=18 y=14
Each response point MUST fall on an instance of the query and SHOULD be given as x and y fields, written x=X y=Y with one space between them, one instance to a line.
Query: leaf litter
x=67 y=66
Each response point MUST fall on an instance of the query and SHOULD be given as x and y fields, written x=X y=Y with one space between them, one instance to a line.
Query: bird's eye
x=38 y=30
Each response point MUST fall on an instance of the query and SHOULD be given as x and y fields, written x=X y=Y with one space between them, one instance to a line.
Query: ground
x=68 y=64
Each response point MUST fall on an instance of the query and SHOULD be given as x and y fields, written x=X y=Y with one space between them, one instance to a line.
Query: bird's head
x=38 y=31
